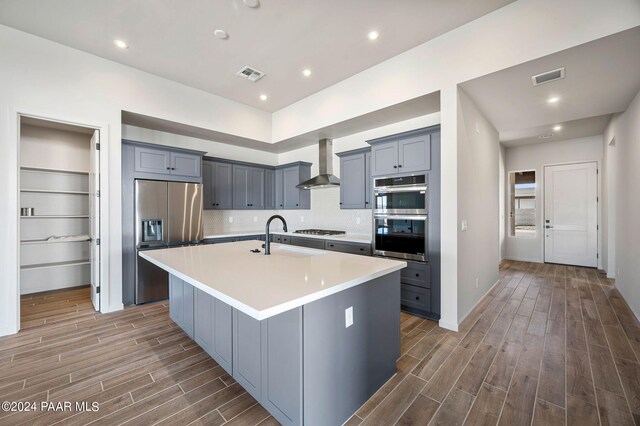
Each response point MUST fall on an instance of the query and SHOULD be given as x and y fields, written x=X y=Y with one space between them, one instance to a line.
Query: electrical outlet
x=230 y=219
x=477 y=128
x=463 y=225
x=476 y=282
x=618 y=272
x=301 y=218
x=255 y=218
x=357 y=221
x=348 y=317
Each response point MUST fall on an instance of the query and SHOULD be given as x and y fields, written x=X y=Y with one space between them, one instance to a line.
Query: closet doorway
x=59 y=184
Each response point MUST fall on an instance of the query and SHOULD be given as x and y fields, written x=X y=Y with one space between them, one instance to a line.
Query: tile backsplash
x=325 y=213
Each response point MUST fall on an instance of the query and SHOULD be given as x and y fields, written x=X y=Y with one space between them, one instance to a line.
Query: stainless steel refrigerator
x=167 y=214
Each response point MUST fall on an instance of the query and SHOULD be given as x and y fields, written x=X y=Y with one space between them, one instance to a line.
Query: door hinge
x=597 y=171
x=597 y=255
x=98 y=241
x=97 y=193
x=97 y=147
x=597 y=227
x=98 y=289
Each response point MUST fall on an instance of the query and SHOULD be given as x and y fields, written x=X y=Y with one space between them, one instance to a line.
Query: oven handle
x=383 y=189
x=401 y=217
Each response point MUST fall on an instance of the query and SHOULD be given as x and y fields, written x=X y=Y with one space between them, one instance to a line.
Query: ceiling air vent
x=548 y=76
x=250 y=74
x=547 y=136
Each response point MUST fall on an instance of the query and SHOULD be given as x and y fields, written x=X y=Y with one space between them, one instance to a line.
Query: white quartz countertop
x=263 y=286
x=348 y=237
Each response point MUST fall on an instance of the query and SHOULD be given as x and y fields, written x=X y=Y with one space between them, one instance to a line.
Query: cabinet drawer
x=307 y=242
x=249 y=238
x=415 y=297
x=417 y=274
x=345 y=247
x=220 y=240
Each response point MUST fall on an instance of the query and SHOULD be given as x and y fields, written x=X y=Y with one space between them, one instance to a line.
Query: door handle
x=549 y=226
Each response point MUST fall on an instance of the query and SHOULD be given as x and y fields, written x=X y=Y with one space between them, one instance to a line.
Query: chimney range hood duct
x=325 y=179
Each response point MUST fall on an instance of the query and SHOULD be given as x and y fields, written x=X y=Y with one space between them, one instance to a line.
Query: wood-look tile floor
x=549 y=345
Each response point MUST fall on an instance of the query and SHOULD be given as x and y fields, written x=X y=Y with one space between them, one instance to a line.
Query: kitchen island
x=311 y=334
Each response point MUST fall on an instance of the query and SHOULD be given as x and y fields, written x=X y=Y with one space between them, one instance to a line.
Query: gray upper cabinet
x=287 y=195
x=166 y=162
x=405 y=153
x=384 y=159
x=218 y=190
x=149 y=160
x=269 y=189
x=352 y=182
x=279 y=189
x=184 y=164
x=355 y=179
x=248 y=187
x=414 y=154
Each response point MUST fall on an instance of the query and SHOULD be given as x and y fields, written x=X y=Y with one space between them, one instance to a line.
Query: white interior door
x=571 y=214
x=94 y=217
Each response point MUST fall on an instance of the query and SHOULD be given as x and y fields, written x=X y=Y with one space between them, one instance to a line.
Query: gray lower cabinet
x=203 y=321
x=404 y=153
x=246 y=353
x=307 y=242
x=348 y=247
x=415 y=297
x=282 y=239
x=223 y=335
x=181 y=299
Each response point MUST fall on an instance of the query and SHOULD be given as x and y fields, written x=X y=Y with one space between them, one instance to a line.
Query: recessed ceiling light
x=121 y=44
x=553 y=100
x=263 y=97
x=251 y=3
x=221 y=34
x=557 y=128
x=373 y=35
x=306 y=72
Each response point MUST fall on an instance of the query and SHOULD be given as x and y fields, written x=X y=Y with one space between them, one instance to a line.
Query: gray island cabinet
x=312 y=360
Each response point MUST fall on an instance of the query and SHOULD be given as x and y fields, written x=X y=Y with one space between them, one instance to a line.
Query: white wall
x=609 y=200
x=47 y=79
x=502 y=199
x=625 y=128
x=535 y=157
x=478 y=204
x=325 y=209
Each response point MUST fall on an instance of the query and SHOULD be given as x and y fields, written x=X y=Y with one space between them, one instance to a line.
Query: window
x=522 y=213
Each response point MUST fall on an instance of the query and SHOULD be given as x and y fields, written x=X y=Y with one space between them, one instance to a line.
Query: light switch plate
x=463 y=225
x=348 y=317
x=230 y=219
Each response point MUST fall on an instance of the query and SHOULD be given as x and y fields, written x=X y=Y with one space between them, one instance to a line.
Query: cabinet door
x=241 y=187
x=279 y=189
x=247 y=368
x=256 y=188
x=269 y=189
x=176 y=302
x=304 y=195
x=368 y=192
x=222 y=186
x=223 y=335
x=203 y=320
x=150 y=160
x=291 y=178
x=384 y=159
x=183 y=164
x=352 y=185
x=187 y=308
x=414 y=154
x=208 y=184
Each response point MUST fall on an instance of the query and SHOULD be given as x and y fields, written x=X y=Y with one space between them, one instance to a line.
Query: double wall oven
x=400 y=217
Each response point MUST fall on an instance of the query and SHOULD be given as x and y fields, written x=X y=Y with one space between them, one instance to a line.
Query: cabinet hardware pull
x=417 y=297
x=395 y=167
x=399 y=165
x=168 y=168
x=417 y=275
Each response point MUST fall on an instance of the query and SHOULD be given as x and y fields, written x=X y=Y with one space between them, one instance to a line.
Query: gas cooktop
x=318 y=232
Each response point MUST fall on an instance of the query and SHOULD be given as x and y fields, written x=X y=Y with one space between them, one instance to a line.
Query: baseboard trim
x=448 y=325
x=7 y=331
x=478 y=302
x=626 y=301
x=113 y=308
x=522 y=259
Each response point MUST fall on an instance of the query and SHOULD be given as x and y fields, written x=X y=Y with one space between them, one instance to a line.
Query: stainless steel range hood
x=325 y=179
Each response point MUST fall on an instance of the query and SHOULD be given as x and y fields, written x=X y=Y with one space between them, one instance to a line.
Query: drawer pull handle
x=417 y=275
x=417 y=297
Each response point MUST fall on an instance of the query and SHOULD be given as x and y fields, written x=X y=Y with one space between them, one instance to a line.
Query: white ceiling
x=601 y=78
x=174 y=39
